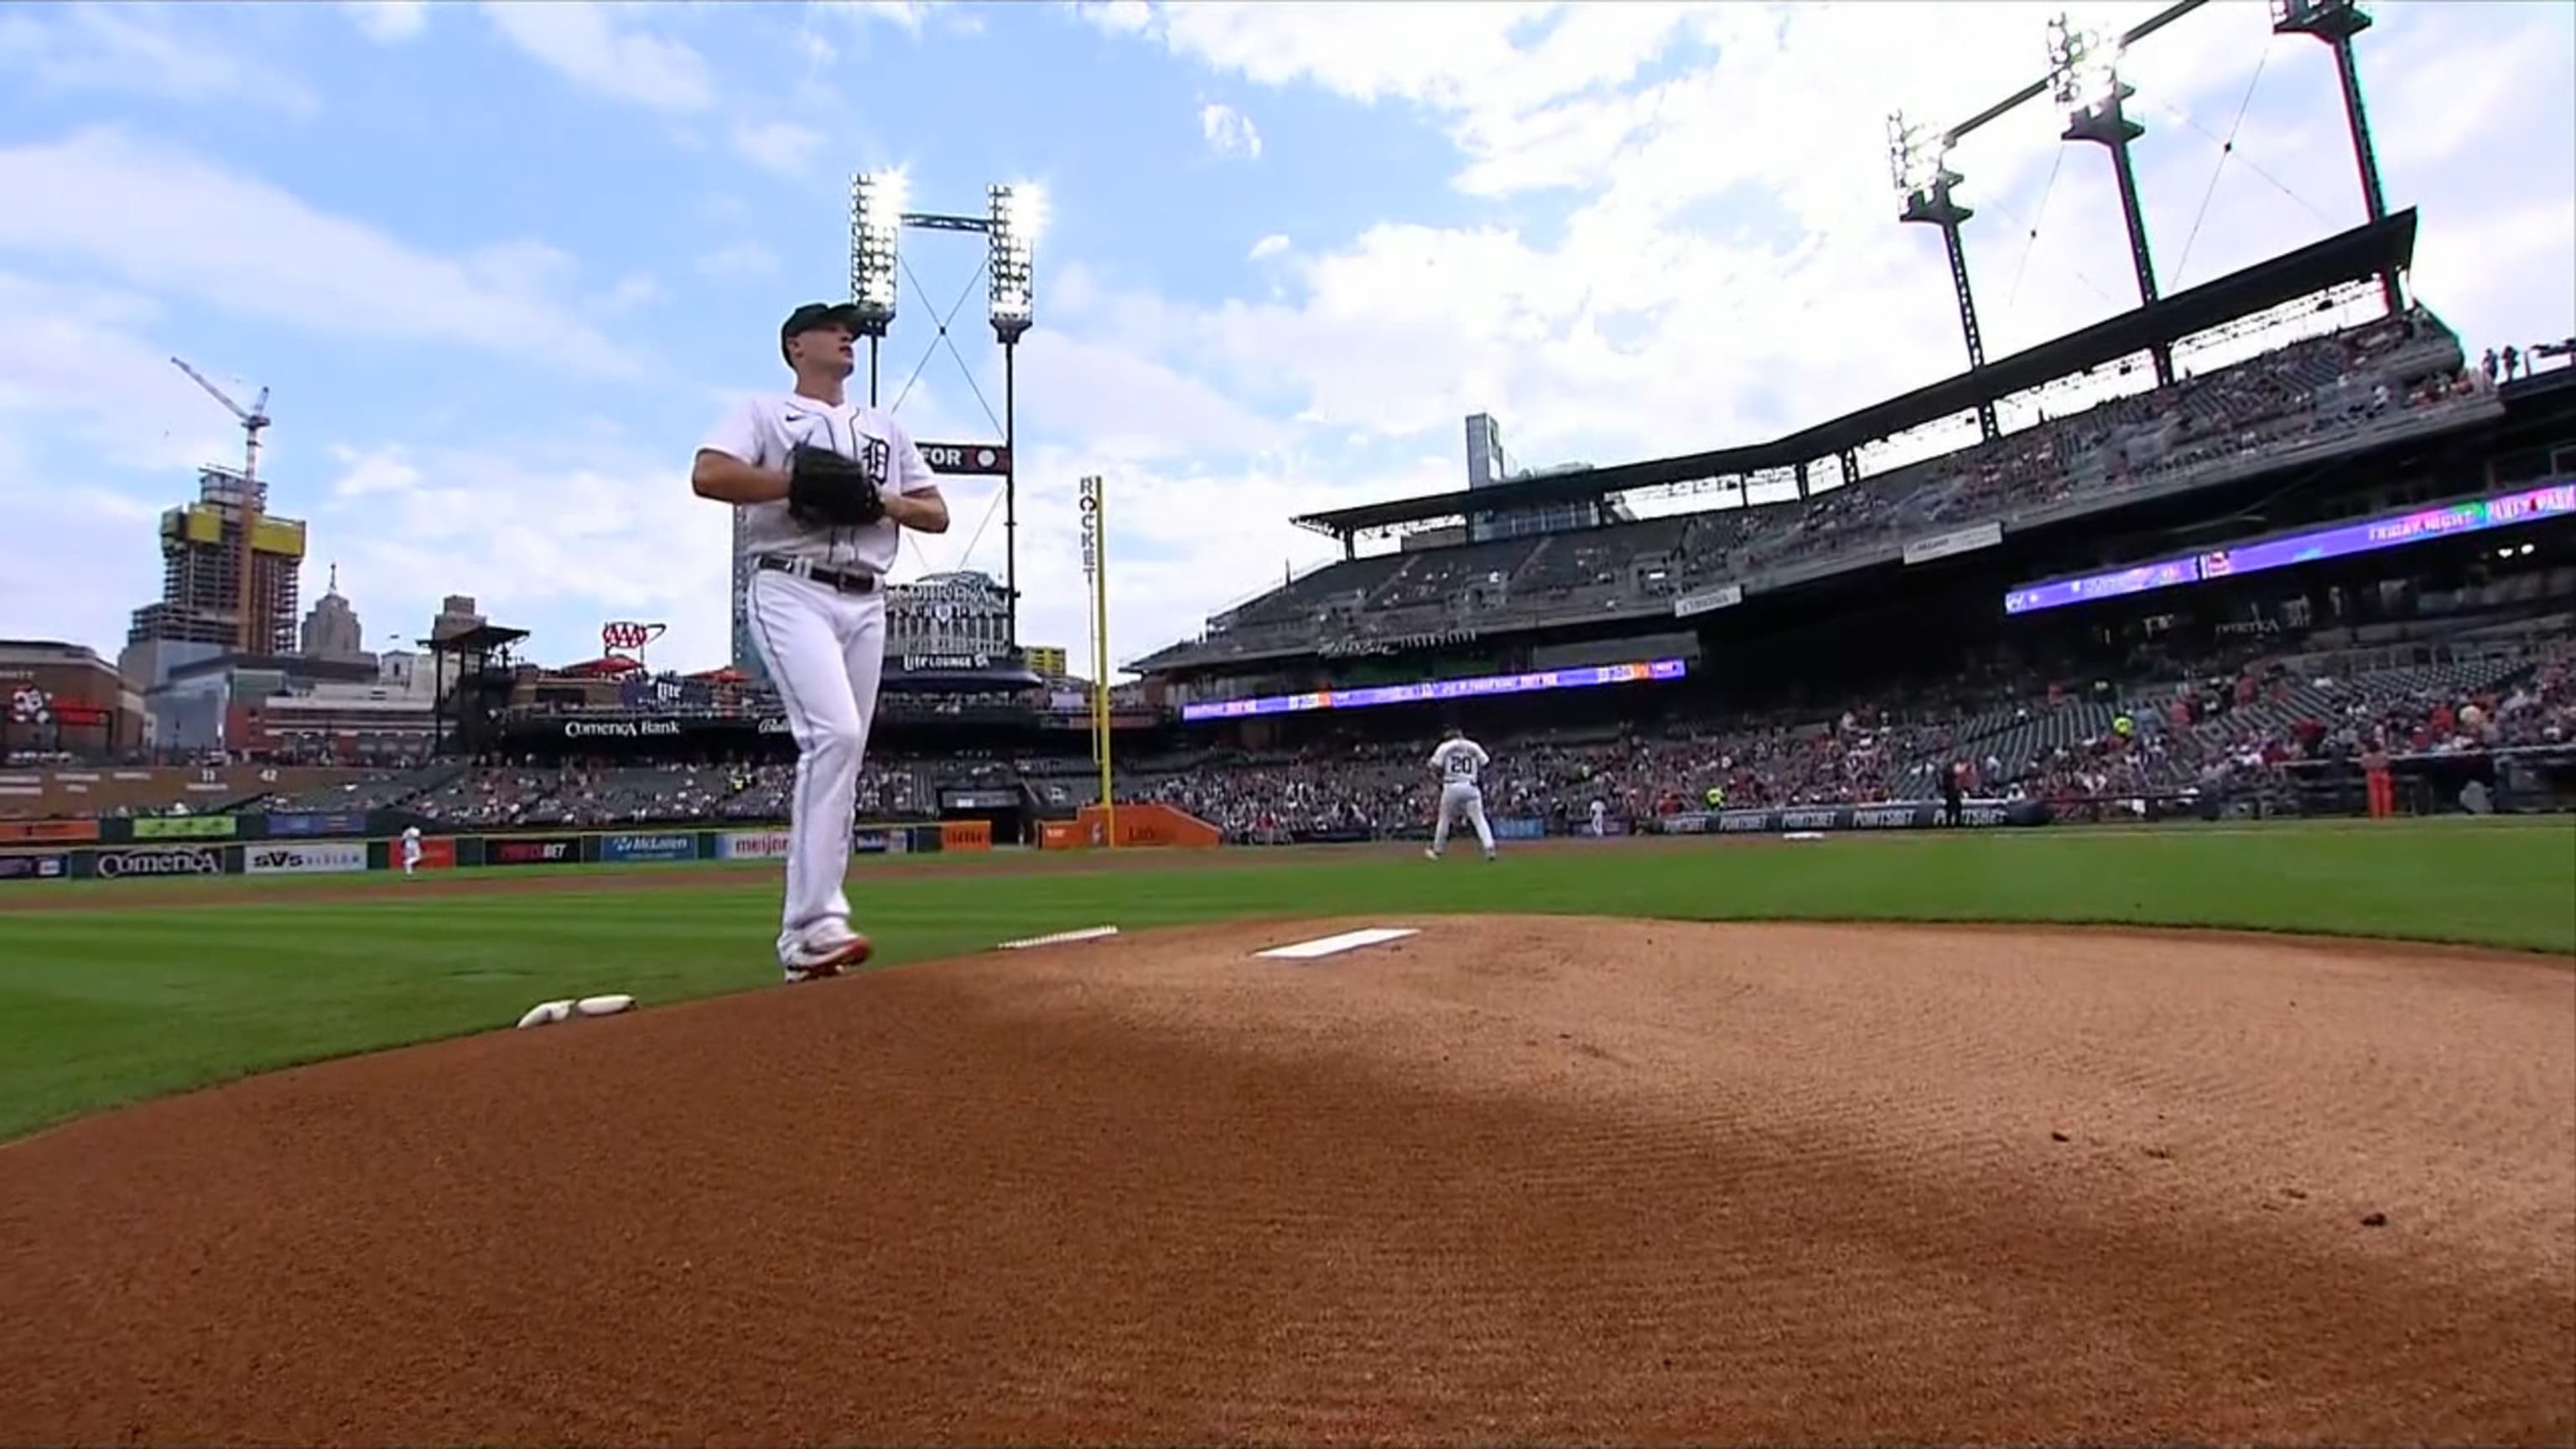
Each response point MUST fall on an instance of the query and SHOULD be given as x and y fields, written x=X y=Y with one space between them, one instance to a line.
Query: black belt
x=848 y=583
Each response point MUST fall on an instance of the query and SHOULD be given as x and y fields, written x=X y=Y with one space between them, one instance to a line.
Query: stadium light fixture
x=1915 y=166
x=876 y=221
x=1015 y=216
x=2086 y=65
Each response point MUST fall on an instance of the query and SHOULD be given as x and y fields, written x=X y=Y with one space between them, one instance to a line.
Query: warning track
x=1506 y=1179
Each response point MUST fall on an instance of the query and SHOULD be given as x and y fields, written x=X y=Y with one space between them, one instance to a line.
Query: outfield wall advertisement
x=34 y=867
x=151 y=863
x=332 y=857
x=533 y=850
x=660 y=846
x=752 y=845
x=1895 y=815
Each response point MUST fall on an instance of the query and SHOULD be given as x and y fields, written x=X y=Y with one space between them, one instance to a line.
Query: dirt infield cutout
x=1531 y=1180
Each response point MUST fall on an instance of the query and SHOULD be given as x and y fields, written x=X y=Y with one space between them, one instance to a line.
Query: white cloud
x=277 y=258
x=1229 y=132
x=742 y=259
x=389 y=21
x=905 y=13
x=781 y=146
x=587 y=46
x=95 y=47
x=1269 y=246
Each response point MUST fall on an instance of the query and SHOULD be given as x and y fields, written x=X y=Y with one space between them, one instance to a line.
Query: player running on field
x=1457 y=763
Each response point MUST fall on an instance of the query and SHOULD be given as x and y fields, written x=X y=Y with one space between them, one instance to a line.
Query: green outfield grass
x=135 y=998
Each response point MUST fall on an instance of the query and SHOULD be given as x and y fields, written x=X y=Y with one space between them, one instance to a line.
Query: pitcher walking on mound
x=1457 y=762
x=822 y=488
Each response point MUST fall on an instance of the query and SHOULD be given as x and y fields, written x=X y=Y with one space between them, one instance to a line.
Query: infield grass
x=136 y=998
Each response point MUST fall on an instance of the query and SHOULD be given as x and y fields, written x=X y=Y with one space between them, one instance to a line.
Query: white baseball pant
x=826 y=652
x=1462 y=802
x=411 y=858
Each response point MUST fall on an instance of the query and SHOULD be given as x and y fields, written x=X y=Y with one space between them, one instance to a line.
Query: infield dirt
x=1535 y=1180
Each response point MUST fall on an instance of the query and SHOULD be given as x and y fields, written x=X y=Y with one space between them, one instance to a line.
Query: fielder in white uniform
x=1457 y=762
x=1600 y=819
x=411 y=849
x=815 y=605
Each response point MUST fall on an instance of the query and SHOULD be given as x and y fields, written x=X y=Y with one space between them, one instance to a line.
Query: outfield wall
x=164 y=857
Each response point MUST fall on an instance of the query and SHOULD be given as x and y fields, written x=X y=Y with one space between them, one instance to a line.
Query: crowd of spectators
x=2339 y=382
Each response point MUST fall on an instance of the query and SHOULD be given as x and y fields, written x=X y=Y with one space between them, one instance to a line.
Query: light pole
x=1014 y=215
x=2336 y=22
x=1923 y=180
x=2086 y=69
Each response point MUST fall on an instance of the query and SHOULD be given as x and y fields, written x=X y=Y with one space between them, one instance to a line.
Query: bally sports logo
x=126 y=864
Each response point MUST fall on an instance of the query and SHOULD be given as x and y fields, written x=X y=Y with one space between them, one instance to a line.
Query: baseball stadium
x=2042 y=909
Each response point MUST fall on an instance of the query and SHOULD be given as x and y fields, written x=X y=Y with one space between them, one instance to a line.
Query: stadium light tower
x=2336 y=22
x=1923 y=180
x=876 y=220
x=1015 y=213
x=2084 y=66
x=1013 y=217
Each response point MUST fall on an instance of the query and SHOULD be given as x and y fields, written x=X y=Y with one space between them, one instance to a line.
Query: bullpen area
x=1933 y=1137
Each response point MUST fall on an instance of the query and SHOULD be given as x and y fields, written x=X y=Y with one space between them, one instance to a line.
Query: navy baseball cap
x=814 y=316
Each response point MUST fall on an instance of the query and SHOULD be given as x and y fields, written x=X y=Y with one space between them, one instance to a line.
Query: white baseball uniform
x=410 y=849
x=1458 y=761
x=815 y=606
x=1600 y=818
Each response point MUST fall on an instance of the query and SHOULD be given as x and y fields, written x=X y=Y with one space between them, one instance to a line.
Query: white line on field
x=1346 y=941
x=1061 y=938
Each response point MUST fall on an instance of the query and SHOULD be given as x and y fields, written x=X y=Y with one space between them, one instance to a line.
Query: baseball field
x=2114 y=1135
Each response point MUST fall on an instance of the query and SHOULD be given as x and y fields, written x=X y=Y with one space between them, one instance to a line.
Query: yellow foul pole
x=1095 y=567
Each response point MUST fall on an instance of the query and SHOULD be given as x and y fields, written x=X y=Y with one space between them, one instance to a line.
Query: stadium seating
x=2159 y=438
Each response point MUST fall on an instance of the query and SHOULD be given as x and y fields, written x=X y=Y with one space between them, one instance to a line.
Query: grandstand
x=2365 y=387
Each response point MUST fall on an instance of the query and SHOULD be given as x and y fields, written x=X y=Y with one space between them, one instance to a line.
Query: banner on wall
x=632 y=848
x=35 y=867
x=340 y=857
x=752 y=845
x=1513 y=828
x=1898 y=815
x=329 y=822
x=533 y=850
x=49 y=832
x=185 y=827
x=135 y=864
x=436 y=853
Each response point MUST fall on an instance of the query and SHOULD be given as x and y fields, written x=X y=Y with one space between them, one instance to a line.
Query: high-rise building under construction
x=199 y=613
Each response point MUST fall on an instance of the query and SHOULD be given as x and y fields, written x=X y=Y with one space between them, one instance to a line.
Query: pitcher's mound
x=1524 y=1180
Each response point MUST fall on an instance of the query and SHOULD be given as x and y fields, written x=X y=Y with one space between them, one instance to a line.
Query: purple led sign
x=2392 y=531
x=1433 y=690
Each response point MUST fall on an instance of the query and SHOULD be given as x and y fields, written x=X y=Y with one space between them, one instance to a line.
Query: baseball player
x=822 y=487
x=1600 y=818
x=1457 y=762
x=411 y=849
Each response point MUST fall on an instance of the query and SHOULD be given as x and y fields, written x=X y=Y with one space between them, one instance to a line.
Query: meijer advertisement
x=333 y=858
x=752 y=845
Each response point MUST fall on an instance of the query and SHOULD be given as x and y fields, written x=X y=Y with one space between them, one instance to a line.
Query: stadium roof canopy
x=482 y=639
x=2361 y=253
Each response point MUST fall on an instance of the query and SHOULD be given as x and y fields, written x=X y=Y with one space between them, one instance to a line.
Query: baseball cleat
x=825 y=952
x=1430 y=855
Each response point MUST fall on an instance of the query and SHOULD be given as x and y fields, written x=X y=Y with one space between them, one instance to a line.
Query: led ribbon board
x=1434 y=690
x=2394 y=530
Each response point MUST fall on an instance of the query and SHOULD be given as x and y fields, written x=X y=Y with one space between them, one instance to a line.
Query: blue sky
x=500 y=266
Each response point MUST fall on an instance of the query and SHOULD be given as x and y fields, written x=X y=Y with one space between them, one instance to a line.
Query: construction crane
x=246 y=638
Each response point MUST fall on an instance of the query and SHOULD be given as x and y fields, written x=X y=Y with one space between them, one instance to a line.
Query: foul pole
x=1095 y=571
